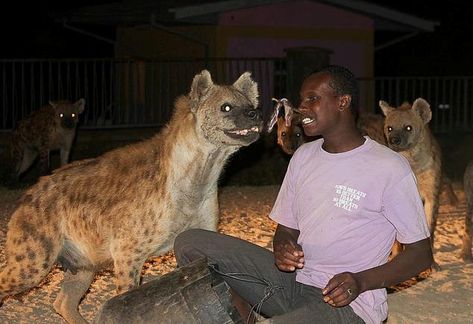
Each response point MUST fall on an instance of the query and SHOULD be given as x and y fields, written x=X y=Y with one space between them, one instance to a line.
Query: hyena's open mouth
x=248 y=134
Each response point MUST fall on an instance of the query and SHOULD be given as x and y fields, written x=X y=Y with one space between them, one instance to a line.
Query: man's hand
x=344 y=287
x=341 y=290
x=288 y=254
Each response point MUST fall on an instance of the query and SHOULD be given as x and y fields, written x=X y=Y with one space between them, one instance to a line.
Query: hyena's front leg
x=128 y=272
x=429 y=190
x=64 y=156
x=73 y=289
x=467 y=249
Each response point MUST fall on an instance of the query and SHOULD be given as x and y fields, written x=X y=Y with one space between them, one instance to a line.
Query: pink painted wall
x=272 y=28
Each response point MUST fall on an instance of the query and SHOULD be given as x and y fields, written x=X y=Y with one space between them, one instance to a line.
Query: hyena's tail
x=31 y=250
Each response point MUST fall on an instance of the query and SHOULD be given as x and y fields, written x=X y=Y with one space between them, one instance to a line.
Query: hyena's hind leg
x=44 y=162
x=73 y=289
x=30 y=255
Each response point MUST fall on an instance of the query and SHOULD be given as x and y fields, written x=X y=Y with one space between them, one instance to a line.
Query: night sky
x=28 y=31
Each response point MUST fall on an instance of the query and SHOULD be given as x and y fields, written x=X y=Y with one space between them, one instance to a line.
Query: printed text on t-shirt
x=347 y=198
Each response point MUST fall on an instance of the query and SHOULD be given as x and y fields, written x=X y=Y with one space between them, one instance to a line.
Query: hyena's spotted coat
x=52 y=127
x=407 y=132
x=467 y=250
x=130 y=203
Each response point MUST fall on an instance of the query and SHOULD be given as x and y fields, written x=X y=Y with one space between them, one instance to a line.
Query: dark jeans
x=290 y=302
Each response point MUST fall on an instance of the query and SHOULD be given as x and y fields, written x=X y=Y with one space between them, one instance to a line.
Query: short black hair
x=344 y=82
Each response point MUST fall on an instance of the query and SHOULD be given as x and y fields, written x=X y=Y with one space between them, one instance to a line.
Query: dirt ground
x=442 y=297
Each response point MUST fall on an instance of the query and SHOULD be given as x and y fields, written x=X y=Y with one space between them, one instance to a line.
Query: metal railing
x=139 y=93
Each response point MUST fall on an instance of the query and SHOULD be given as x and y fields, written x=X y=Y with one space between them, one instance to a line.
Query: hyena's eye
x=390 y=129
x=283 y=133
x=226 y=108
x=298 y=134
x=73 y=115
x=408 y=128
x=61 y=115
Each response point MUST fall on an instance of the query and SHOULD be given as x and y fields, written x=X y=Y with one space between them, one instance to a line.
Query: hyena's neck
x=196 y=164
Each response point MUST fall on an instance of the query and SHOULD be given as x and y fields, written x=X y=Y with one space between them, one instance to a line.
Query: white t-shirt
x=349 y=208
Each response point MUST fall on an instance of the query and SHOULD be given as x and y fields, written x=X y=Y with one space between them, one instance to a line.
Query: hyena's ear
x=422 y=107
x=385 y=107
x=200 y=85
x=248 y=87
x=80 y=104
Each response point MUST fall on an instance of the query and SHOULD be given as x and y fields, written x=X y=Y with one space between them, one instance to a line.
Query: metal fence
x=138 y=93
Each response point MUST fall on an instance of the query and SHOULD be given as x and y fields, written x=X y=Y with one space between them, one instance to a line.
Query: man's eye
x=311 y=99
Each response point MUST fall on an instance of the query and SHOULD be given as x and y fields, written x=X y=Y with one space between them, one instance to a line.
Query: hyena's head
x=404 y=125
x=226 y=114
x=67 y=112
x=290 y=137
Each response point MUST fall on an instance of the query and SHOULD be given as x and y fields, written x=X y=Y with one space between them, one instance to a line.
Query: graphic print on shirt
x=347 y=198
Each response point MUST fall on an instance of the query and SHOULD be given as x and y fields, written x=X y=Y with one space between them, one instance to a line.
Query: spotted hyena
x=130 y=203
x=467 y=251
x=52 y=127
x=407 y=132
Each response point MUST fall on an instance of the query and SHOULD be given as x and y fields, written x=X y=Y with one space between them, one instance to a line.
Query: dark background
x=27 y=30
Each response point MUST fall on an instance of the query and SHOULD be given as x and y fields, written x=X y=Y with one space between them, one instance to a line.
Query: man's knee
x=186 y=242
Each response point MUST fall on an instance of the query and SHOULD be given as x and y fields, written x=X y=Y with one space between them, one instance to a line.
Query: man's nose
x=301 y=109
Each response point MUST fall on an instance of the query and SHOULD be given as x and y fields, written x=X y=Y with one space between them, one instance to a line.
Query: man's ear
x=345 y=102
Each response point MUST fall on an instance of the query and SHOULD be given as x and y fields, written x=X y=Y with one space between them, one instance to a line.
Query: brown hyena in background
x=407 y=132
x=372 y=125
x=292 y=136
x=52 y=127
x=130 y=203
x=467 y=251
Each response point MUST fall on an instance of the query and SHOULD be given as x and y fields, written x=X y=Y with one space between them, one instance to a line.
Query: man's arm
x=346 y=286
x=288 y=255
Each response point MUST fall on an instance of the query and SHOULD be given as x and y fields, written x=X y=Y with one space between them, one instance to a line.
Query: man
x=343 y=202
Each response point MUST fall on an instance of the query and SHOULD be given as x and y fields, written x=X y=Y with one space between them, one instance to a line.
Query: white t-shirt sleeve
x=404 y=209
x=283 y=211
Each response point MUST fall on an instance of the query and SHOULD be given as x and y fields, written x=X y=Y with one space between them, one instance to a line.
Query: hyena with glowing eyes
x=52 y=127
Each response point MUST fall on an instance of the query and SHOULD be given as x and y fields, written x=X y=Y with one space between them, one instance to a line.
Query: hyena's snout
x=253 y=114
x=68 y=122
x=395 y=140
x=399 y=141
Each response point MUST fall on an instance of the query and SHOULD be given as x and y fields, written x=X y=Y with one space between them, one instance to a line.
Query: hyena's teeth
x=245 y=131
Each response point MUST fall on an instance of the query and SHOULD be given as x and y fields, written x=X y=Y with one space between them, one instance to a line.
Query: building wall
x=266 y=31
x=262 y=32
x=151 y=42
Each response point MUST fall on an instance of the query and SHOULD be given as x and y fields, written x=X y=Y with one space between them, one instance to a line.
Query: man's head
x=329 y=100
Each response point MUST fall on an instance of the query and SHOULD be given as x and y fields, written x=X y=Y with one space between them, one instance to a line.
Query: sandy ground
x=442 y=297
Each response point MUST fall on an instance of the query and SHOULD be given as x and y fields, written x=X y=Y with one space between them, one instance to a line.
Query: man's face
x=320 y=105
